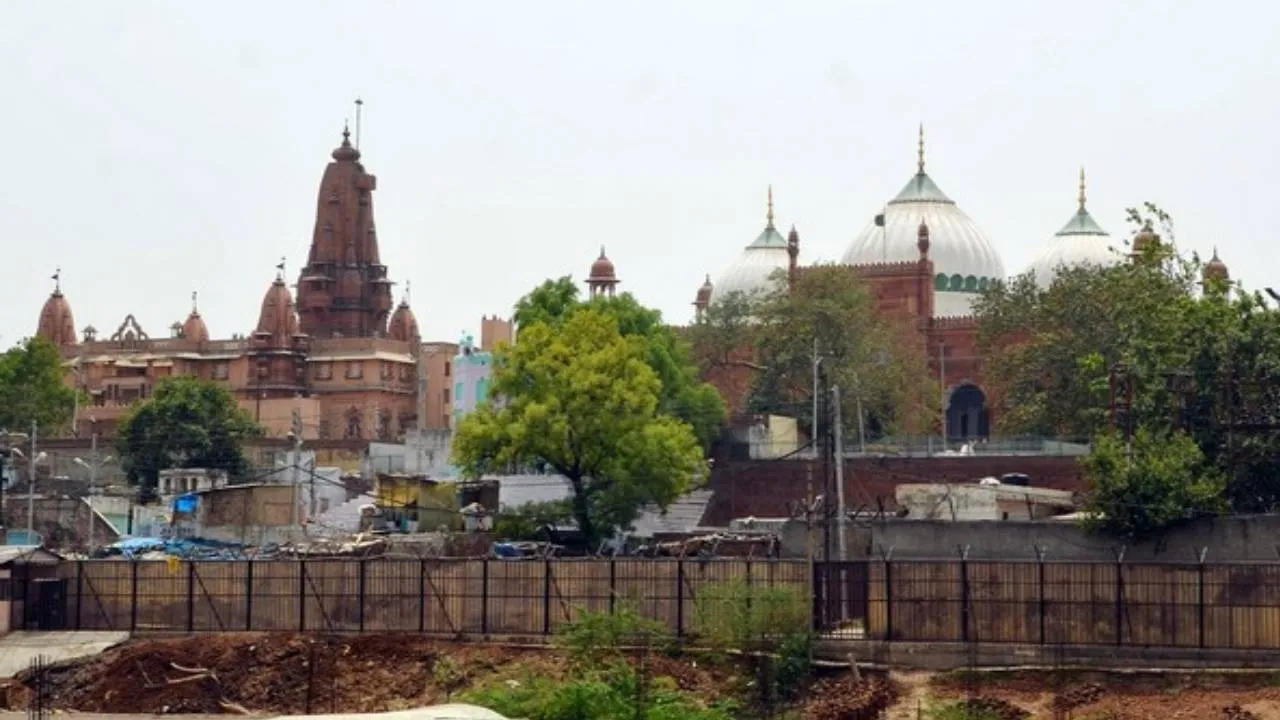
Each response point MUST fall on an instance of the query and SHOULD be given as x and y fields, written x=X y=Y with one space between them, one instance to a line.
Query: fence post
x=133 y=597
x=1203 y=552
x=484 y=596
x=79 y=589
x=248 y=595
x=819 y=617
x=1120 y=596
x=679 y=598
x=888 y=596
x=613 y=583
x=191 y=596
x=1040 y=553
x=302 y=595
x=422 y=596
x=363 y=572
x=964 y=593
x=547 y=596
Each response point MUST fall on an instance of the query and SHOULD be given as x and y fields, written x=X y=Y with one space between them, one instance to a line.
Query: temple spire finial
x=280 y=269
x=406 y=292
x=769 y=214
x=194 y=311
x=920 y=152
x=57 y=281
x=346 y=133
x=1082 y=189
x=602 y=251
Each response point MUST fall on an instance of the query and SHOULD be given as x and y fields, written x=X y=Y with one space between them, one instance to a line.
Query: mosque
x=341 y=361
x=924 y=261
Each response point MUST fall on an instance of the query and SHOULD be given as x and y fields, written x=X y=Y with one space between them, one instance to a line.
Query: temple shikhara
x=338 y=361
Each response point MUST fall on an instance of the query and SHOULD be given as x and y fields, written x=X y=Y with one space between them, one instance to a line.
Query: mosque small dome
x=964 y=260
x=1146 y=238
x=754 y=269
x=1215 y=269
x=1080 y=242
x=602 y=269
x=703 y=298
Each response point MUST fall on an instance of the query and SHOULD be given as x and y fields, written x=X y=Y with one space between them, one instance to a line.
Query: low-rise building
x=985 y=500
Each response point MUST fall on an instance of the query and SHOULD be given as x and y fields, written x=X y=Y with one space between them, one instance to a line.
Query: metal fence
x=439 y=596
x=1235 y=606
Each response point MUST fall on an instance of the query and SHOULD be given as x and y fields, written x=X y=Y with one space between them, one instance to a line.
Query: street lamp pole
x=31 y=486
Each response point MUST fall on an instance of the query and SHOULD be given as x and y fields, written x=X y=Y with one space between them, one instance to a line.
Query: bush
x=615 y=692
x=528 y=521
x=594 y=637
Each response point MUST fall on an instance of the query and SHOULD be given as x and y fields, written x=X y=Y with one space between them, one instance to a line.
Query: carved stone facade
x=328 y=365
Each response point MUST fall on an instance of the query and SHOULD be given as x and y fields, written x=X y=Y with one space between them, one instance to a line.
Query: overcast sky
x=159 y=148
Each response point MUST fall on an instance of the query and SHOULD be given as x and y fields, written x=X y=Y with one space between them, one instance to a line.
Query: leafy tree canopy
x=1201 y=361
x=187 y=423
x=582 y=399
x=32 y=387
x=682 y=394
x=1157 y=481
x=871 y=358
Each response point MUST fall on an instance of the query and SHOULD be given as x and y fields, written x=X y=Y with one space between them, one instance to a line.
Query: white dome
x=753 y=270
x=963 y=260
x=1080 y=242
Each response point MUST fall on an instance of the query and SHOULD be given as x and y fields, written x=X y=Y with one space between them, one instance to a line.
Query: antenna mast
x=359 y=105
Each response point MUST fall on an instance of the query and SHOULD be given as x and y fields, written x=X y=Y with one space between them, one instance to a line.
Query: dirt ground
x=285 y=673
x=1079 y=695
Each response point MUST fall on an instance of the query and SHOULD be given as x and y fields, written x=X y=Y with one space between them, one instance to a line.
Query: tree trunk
x=580 y=511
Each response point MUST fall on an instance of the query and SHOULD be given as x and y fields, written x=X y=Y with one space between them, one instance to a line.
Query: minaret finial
x=57 y=281
x=769 y=214
x=920 y=152
x=1081 y=189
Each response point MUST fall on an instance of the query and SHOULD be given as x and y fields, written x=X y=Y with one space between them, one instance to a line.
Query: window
x=387 y=370
x=221 y=371
x=355 y=369
x=482 y=390
x=446 y=368
x=940 y=282
x=457 y=392
x=957 y=282
x=324 y=371
x=446 y=396
x=971 y=283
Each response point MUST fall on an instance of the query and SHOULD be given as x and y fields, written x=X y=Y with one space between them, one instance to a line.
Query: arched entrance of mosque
x=967 y=416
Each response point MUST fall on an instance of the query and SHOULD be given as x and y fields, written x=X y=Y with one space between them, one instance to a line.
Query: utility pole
x=942 y=390
x=862 y=429
x=93 y=482
x=31 y=487
x=813 y=433
x=839 y=460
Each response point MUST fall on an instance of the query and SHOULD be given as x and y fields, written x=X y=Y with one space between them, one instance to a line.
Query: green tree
x=32 y=387
x=581 y=399
x=1201 y=361
x=187 y=423
x=1154 y=482
x=871 y=358
x=682 y=394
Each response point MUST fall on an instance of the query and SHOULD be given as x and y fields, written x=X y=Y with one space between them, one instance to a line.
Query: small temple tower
x=343 y=290
x=277 y=348
x=193 y=328
x=404 y=326
x=56 y=323
x=602 y=281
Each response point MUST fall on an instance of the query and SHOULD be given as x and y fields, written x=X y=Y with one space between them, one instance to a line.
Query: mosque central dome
x=964 y=262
